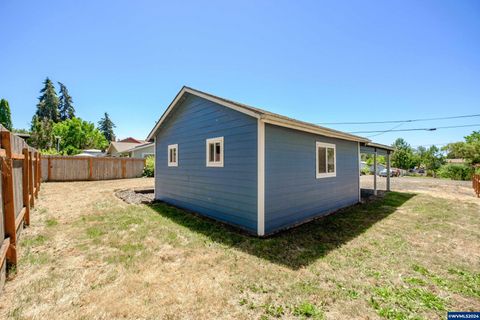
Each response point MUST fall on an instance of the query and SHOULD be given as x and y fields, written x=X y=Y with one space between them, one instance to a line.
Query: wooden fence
x=19 y=186
x=476 y=184
x=68 y=168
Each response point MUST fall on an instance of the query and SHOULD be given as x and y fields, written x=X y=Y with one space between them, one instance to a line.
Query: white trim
x=261 y=178
x=359 y=174
x=218 y=164
x=172 y=147
x=201 y=95
x=327 y=146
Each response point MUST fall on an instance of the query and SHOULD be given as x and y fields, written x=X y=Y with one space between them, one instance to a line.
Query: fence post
x=30 y=179
x=39 y=170
x=37 y=176
x=8 y=197
x=25 y=188
x=49 y=177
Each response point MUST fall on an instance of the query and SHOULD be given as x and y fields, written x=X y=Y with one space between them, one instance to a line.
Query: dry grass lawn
x=88 y=255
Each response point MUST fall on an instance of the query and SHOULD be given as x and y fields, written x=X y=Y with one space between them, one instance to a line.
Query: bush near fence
x=71 y=168
x=19 y=186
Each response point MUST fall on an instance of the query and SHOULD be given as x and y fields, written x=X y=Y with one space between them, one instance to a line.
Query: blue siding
x=292 y=192
x=228 y=194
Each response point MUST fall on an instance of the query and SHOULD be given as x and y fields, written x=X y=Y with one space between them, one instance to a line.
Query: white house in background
x=142 y=151
x=120 y=148
x=364 y=164
x=91 y=153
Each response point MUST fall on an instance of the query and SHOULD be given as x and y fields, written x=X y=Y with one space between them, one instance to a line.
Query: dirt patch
x=136 y=196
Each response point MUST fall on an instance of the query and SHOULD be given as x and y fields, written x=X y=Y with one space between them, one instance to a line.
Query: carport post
x=388 y=170
x=375 y=173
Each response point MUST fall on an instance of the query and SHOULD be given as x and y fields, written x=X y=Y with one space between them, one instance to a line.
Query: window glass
x=211 y=152
x=217 y=152
x=331 y=159
x=322 y=166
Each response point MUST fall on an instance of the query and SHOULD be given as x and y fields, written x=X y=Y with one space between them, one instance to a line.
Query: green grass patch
x=38 y=240
x=400 y=303
x=51 y=222
x=308 y=310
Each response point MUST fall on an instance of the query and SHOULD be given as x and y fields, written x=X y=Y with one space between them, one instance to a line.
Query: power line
x=419 y=129
x=402 y=121
x=389 y=130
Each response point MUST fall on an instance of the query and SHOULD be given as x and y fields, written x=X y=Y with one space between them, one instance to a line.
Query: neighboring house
x=142 y=151
x=380 y=167
x=91 y=153
x=132 y=140
x=251 y=168
x=120 y=149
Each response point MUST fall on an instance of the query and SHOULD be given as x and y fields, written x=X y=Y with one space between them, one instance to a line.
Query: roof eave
x=312 y=129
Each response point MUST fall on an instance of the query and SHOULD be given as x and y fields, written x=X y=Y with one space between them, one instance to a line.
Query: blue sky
x=318 y=61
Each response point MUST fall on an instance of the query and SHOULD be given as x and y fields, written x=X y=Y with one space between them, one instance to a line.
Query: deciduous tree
x=5 y=114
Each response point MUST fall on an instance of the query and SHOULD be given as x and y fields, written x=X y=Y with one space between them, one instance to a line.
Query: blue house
x=251 y=168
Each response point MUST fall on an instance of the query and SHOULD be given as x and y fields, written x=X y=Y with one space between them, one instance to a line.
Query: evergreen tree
x=47 y=106
x=106 y=127
x=66 y=109
x=5 y=116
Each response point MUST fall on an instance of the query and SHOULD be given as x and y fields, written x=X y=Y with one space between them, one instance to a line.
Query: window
x=173 y=155
x=215 y=152
x=326 y=160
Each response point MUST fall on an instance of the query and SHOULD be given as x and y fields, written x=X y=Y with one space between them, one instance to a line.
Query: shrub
x=366 y=170
x=149 y=169
x=455 y=171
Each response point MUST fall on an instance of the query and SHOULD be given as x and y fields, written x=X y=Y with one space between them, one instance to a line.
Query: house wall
x=141 y=153
x=293 y=194
x=228 y=193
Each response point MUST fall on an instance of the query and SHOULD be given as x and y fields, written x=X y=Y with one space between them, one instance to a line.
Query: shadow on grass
x=299 y=246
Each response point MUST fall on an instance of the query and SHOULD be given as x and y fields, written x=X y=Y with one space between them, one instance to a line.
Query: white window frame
x=172 y=163
x=326 y=174
x=217 y=164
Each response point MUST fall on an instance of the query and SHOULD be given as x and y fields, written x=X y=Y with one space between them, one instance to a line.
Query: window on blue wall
x=326 y=160
x=173 y=155
x=214 y=152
